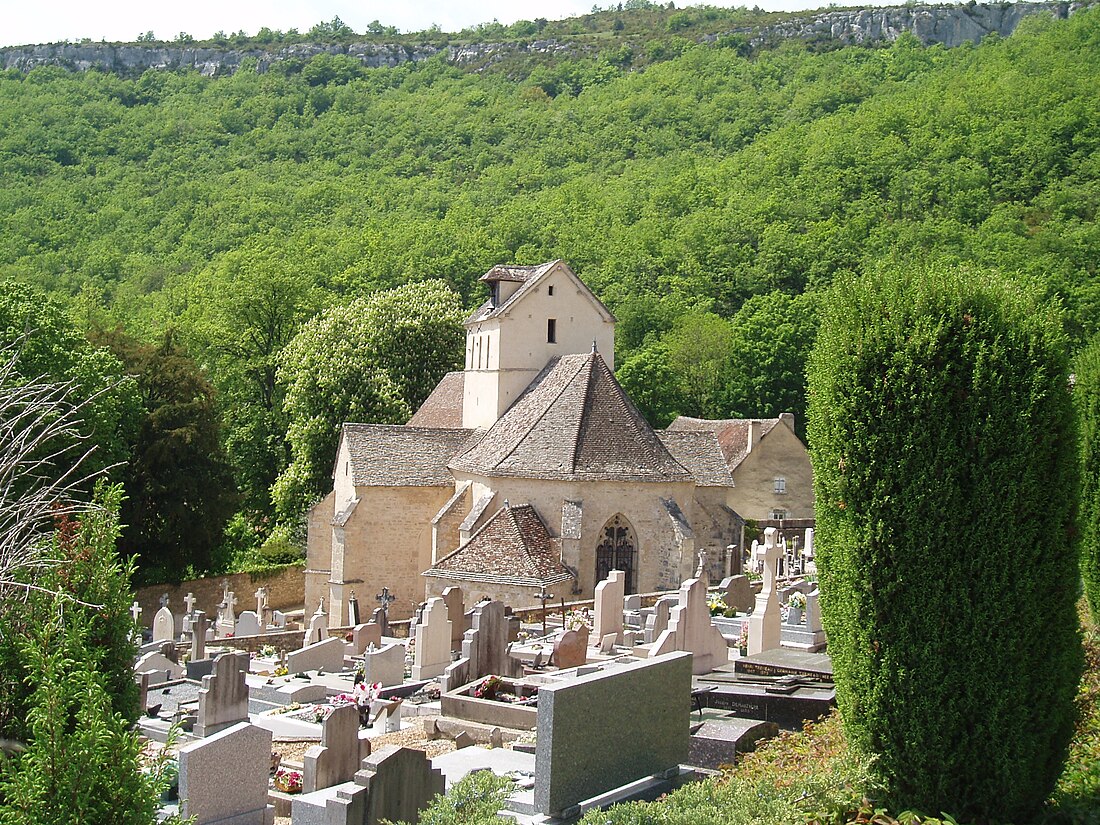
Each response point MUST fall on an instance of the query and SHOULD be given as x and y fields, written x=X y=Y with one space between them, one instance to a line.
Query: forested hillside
x=707 y=197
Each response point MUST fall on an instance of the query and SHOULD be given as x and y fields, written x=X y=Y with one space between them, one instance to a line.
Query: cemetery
x=271 y=714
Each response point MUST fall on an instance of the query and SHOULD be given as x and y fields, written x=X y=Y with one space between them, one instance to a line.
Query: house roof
x=512 y=547
x=732 y=433
x=700 y=452
x=529 y=278
x=385 y=455
x=575 y=423
x=443 y=408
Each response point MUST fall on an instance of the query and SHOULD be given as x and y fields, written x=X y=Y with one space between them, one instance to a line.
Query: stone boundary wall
x=285 y=591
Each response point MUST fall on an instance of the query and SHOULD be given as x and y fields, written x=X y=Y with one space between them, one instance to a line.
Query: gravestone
x=609 y=606
x=353 y=610
x=164 y=623
x=718 y=741
x=278 y=618
x=811 y=635
x=338 y=756
x=581 y=752
x=571 y=648
x=198 y=635
x=227 y=624
x=318 y=626
x=142 y=680
x=737 y=593
x=689 y=629
x=432 y=652
x=223 y=698
x=327 y=656
x=657 y=622
x=607 y=644
x=400 y=783
x=364 y=635
x=484 y=649
x=163 y=668
x=248 y=624
x=764 y=623
x=386 y=665
x=633 y=603
x=452 y=597
x=223 y=778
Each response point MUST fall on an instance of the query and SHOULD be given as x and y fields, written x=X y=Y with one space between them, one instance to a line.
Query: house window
x=551 y=331
x=781 y=486
x=550 y=290
x=779 y=515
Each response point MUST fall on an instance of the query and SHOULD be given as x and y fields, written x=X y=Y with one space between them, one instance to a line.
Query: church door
x=617 y=550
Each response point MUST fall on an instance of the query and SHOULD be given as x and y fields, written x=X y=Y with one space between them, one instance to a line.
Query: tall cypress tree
x=1087 y=395
x=942 y=438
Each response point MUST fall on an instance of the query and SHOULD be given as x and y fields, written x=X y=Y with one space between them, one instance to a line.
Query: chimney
x=788 y=419
x=754 y=435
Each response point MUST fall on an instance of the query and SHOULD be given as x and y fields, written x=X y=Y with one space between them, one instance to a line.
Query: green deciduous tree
x=373 y=360
x=1087 y=395
x=772 y=336
x=942 y=439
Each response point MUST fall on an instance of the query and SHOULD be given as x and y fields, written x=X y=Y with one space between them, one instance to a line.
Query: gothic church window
x=617 y=550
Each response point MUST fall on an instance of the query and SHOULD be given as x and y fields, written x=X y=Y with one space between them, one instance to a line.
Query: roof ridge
x=588 y=363
x=546 y=409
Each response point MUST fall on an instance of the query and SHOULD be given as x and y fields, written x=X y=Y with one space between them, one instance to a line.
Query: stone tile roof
x=574 y=422
x=386 y=455
x=443 y=408
x=512 y=547
x=699 y=452
x=528 y=277
x=732 y=433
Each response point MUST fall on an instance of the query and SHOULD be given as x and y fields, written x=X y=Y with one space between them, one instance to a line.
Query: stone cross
x=135 y=611
x=261 y=601
x=189 y=602
x=764 y=623
x=701 y=570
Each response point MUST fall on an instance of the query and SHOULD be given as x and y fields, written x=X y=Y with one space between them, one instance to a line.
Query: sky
x=23 y=22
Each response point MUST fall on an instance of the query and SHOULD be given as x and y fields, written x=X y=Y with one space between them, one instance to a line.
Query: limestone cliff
x=949 y=25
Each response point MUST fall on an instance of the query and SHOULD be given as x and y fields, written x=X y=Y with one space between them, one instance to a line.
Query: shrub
x=942 y=441
x=1087 y=395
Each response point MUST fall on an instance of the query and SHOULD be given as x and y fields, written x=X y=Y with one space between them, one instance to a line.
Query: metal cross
x=135 y=611
x=544 y=597
x=385 y=599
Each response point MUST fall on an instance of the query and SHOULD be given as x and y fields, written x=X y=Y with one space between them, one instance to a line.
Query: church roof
x=732 y=433
x=528 y=277
x=385 y=455
x=512 y=547
x=443 y=408
x=699 y=452
x=575 y=423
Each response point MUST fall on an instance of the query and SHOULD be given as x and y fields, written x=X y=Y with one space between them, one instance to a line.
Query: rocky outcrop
x=949 y=25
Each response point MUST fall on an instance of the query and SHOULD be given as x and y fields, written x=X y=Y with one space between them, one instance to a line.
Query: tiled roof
x=443 y=408
x=732 y=433
x=574 y=422
x=700 y=453
x=387 y=455
x=528 y=277
x=512 y=547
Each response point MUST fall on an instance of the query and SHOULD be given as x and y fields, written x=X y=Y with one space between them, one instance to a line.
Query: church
x=531 y=472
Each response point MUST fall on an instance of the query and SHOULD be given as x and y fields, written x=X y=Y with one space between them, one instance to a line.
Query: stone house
x=531 y=469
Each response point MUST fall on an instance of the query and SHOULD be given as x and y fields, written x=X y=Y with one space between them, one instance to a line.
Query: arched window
x=617 y=550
